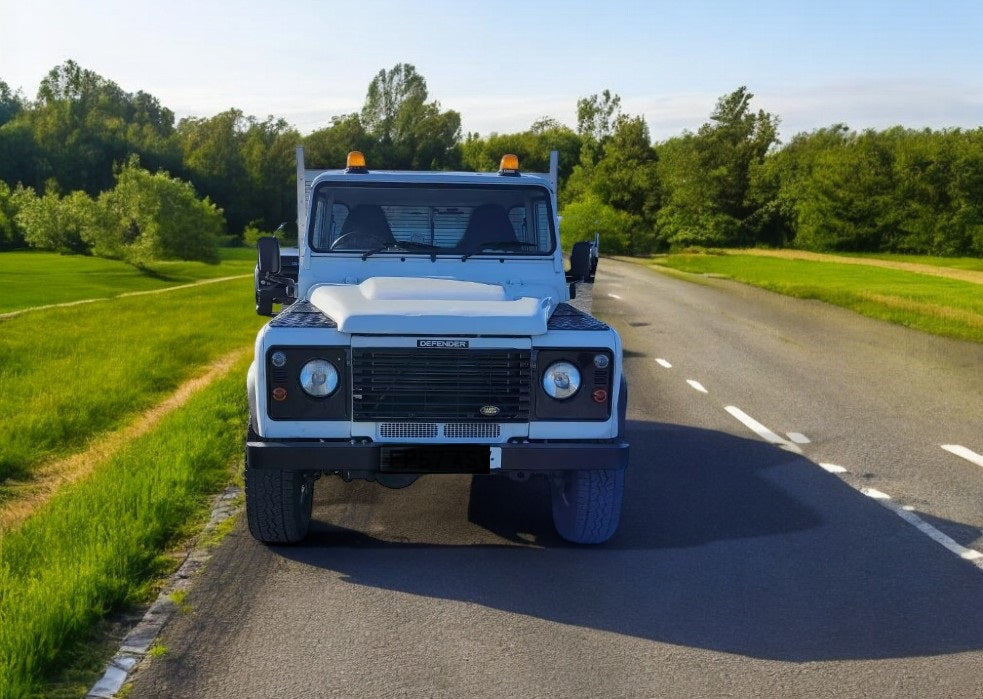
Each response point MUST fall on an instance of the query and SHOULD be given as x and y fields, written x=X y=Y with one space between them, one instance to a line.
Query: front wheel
x=587 y=504
x=278 y=504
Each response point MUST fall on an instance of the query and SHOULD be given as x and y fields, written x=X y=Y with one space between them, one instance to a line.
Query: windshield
x=432 y=219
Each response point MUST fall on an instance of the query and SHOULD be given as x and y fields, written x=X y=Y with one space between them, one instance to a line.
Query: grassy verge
x=970 y=263
x=41 y=278
x=96 y=545
x=70 y=373
x=947 y=307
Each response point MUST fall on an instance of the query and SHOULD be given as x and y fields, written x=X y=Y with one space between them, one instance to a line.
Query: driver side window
x=327 y=225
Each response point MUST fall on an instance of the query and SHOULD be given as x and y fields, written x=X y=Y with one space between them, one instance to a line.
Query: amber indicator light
x=355 y=162
x=509 y=165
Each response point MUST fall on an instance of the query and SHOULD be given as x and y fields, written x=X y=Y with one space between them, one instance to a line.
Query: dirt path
x=50 y=477
x=11 y=314
x=965 y=275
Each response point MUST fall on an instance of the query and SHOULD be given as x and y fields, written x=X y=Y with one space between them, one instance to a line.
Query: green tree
x=50 y=222
x=268 y=157
x=589 y=215
x=533 y=147
x=708 y=175
x=626 y=178
x=965 y=188
x=213 y=159
x=778 y=183
x=407 y=131
x=896 y=190
x=20 y=157
x=11 y=103
x=847 y=202
x=596 y=116
x=158 y=217
x=11 y=236
x=329 y=147
x=84 y=124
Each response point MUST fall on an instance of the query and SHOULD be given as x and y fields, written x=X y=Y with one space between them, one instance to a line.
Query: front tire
x=587 y=504
x=278 y=504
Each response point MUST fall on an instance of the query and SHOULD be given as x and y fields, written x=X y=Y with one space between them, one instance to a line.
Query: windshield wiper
x=413 y=245
x=365 y=255
x=403 y=246
x=497 y=244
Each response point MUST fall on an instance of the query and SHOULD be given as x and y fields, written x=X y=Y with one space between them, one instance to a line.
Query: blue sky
x=502 y=64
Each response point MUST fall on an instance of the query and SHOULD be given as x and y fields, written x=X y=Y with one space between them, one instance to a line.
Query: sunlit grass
x=70 y=373
x=970 y=263
x=96 y=544
x=947 y=307
x=42 y=278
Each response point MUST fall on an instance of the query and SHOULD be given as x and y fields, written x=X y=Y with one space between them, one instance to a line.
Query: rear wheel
x=278 y=504
x=587 y=504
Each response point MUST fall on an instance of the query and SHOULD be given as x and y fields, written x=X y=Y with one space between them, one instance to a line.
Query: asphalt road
x=742 y=566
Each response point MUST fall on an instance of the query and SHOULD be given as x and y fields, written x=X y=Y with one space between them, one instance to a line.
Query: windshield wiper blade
x=413 y=245
x=502 y=244
x=365 y=255
x=403 y=246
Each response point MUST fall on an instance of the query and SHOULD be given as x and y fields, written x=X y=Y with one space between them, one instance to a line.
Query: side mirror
x=268 y=251
x=581 y=262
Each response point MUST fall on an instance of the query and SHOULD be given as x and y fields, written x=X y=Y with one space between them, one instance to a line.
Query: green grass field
x=70 y=376
x=934 y=304
x=74 y=372
x=96 y=545
x=971 y=263
x=30 y=279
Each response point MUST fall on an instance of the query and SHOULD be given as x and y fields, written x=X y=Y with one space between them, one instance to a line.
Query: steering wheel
x=357 y=240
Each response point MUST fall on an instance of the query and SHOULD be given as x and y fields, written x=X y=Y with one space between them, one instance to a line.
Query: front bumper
x=372 y=457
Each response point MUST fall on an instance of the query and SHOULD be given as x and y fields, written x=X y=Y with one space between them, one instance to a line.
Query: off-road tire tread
x=275 y=510
x=591 y=512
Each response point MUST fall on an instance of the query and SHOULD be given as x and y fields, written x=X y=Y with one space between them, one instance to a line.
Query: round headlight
x=319 y=378
x=561 y=380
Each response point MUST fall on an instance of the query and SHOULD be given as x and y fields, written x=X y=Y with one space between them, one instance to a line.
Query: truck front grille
x=480 y=385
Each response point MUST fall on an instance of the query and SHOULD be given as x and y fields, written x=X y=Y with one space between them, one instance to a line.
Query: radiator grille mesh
x=468 y=430
x=408 y=430
x=474 y=386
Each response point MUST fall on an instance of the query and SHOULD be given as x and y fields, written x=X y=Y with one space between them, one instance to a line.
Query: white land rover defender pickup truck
x=426 y=329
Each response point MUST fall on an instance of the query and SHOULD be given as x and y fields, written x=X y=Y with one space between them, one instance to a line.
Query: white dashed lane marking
x=615 y=296
x=760 y=429
x=924 y=527
x=904 y=512
x=964 y=453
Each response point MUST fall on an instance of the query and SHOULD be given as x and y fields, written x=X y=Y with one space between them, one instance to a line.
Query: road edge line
x=136 y=645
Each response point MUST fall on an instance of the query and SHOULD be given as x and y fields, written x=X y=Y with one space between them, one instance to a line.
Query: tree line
x=87 y=167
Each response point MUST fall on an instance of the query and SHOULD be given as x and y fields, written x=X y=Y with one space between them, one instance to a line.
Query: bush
x=52 y=223
x=252 y=233
x=619 y=230
x=153 y=216
x=11 y=236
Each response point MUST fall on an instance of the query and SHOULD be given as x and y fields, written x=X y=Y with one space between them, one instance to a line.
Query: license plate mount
x=436 y=458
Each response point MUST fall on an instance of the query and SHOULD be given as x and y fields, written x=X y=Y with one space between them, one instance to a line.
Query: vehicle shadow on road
x=726 y=543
